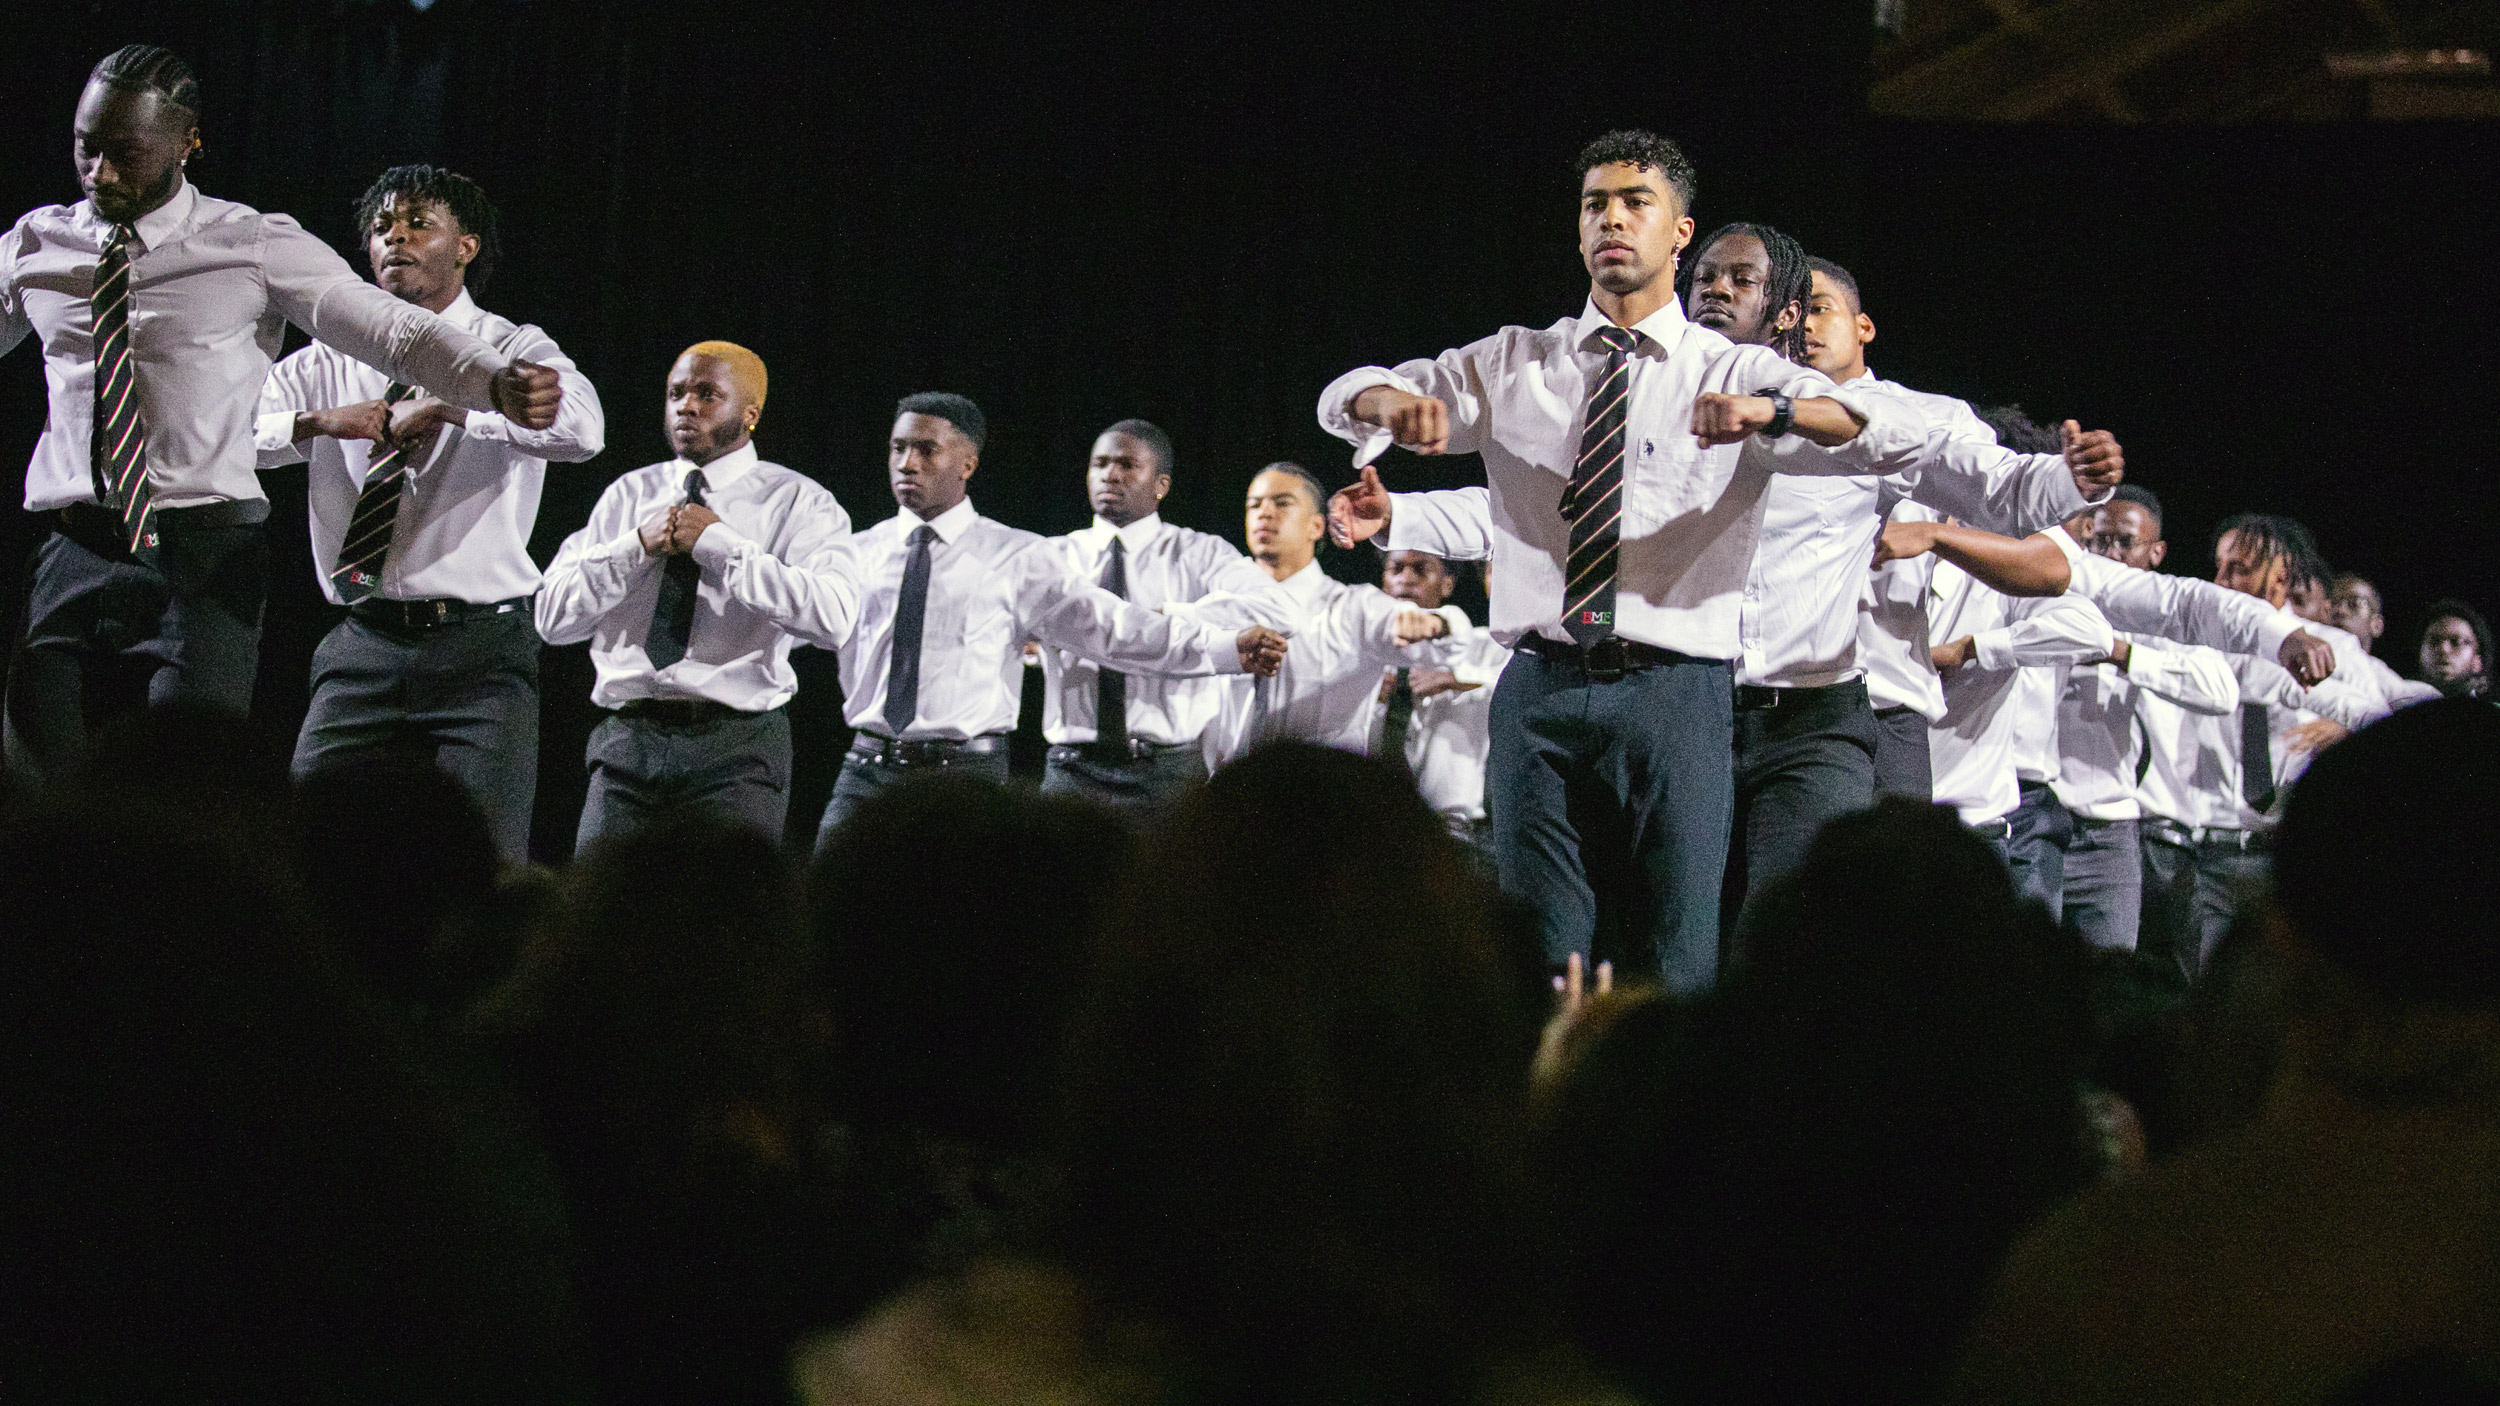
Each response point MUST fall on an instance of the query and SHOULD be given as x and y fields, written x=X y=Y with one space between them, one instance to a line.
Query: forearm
x=817 y=601
x=1094 y=624
x=579 y=433
x=2030 y=566
x=588 y=578
x=1455 y=524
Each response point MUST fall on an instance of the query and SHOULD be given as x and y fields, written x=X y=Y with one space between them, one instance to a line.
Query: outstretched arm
x=1988 y=486
x=810 y=588
x=2032 y=566
x=1430 y=407
x=2197 y=612
x=1071 y=613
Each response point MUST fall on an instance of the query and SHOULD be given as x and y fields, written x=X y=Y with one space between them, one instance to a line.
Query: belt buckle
x=1607 y=660
x=442 y=610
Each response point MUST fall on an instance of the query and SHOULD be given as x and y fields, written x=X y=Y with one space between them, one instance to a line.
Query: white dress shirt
x=212 y=286
x=1342 y=637
x=1972 y=750
x=603 y=586
x=1166 y=565
x=466 y=509
x=2097 y=730
x=1450 y=736
x=1892 y=629
x=2194 y=775
x=1690 y=513
x=991 y=588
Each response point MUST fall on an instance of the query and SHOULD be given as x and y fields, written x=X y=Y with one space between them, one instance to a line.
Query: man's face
x=1280 y=520
x=2248 y=568
x=418 y=251
x=2450 y=652
x=2354 y=607
x=2126 y=532
x=706 y=415
x=1123 y=479
x=128 y=147
x=1836 y=332
x=1731 y=282
x=1631 y=225
x=2309 y=601
x=929 y=462
x=1419 y=577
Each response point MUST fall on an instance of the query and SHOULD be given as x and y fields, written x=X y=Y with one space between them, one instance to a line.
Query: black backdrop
x=1085 y=213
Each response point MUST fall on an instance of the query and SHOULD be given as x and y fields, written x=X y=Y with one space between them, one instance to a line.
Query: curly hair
x=1632 y=147
x=463 y=197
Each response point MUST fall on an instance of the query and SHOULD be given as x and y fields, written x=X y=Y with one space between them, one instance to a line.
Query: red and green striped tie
x=369 y=528
x=118 y=441
x=1593 y=504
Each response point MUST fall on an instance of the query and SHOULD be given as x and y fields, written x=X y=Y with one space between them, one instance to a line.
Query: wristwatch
x=1783 y=412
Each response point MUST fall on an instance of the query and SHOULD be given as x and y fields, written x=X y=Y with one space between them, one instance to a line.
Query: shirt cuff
x=719 y=545
x=2141 y=658
x=1993 y=649
x=1336 y=411
x=275 y=430
x=625 y=553
x=2275 y=629
x=477 y=424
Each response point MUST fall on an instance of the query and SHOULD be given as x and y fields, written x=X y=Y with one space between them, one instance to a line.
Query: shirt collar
x=1663 y=330
x=1137 y=534
x=463 y=314
x=718 y=474
x=157 y=227
x=951 y=524
x=1307 y=585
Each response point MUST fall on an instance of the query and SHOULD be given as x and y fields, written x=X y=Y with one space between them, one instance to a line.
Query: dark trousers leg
x=103 y=630
x=465 y=696
x=1622 y=788
x=2104 y=894
x=2226 y=880
x=2035 y=847
x=1138 y=790
x=735 y=769
x=1799 y=767
x=2167 y=940
x=1901 y=765
x=862 y=778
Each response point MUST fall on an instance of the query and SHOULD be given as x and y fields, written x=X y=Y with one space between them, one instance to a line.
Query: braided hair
x=2281 y=539
x=1791 y=280
x=145 y=68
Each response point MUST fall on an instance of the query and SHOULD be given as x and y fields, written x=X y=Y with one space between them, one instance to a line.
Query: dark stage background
x=1200 y=218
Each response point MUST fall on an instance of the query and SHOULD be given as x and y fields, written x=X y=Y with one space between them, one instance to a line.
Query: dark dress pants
x=735 y=766
x=463 y=694
x=2191 y=892
x=1802 y=761
x=105 y=630
x=1610 y=801
x=2104 y=883
x=2035 y=847
x=1137 y=788
x=1901 y=764
x=863 y=777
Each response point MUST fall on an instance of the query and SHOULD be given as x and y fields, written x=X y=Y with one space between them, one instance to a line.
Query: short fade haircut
x=2278 y=538
x=954 y=409
x=1847 y=281
x=1634 y=147
x=2017 y=431
x=463 y=197
x=1310 y=483
x=1151 y=435
x=145 y=68
x=2142 y=497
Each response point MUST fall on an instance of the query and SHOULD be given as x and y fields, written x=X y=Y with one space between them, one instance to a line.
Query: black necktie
x=2256 y=758
x=902 y=677
x=117 y=445
x=1401 y=720
x=1593 y=504
x=672 y=620
x=1110 y=685
x=369 y=529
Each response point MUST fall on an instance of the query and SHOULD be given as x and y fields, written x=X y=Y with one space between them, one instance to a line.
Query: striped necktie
x=1593 y=504
x=369 y=529
x=118 y=439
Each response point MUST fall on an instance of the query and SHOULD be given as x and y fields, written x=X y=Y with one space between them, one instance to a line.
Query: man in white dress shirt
x=1343 y=636
x=159 y=309
x=1134 y=742
x=687 y=581
x=1623 y=521
x=424 y=535
x=1434 y=718
x=930 y=610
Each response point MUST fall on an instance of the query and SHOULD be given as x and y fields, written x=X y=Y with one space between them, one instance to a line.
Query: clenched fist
x=1417 y=422
x=1262 y=650
x=528 y=394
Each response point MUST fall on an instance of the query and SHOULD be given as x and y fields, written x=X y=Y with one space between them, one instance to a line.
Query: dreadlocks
x=2280 y=539
x=454 y=192
x=2018 y=432
x=145 y=68
x=1791 y=282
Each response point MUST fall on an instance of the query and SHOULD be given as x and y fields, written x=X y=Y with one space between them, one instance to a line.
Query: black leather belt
x=1755 y=695
x=431 y=614
x=100 y=530
x=928 y=751
x=1608 y=659
x=2210 y=837
x=1137 y=750
x=679 y=712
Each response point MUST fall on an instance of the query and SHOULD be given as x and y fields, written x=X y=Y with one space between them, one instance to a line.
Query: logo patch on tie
x=147 y=541
x=1597 y=617
x=361 y=578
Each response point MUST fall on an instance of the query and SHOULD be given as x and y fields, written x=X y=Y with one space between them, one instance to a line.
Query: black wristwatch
x=1783 y=412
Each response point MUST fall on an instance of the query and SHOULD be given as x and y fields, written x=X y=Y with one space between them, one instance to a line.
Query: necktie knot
x=1618 y=340
x=122 y=235
x=695 y=486
x=923 y=535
